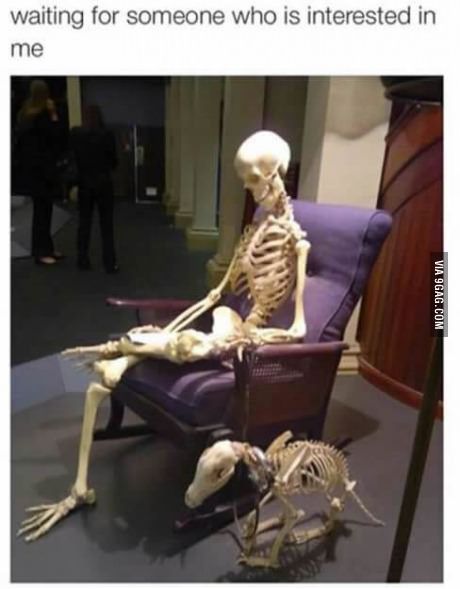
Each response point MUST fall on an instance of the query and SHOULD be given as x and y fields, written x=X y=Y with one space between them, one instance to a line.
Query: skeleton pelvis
x=226 y=322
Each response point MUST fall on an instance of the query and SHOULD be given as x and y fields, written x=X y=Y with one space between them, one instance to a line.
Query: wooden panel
x=405 y=291
x=419 y=128
x=395 y=388
x=422 y=172
x=395 y=323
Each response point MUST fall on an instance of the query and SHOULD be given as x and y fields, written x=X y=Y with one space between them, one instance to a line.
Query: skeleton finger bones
x=268 y=264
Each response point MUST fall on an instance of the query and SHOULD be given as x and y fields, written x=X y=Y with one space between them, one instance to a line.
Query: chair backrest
x=345 y=242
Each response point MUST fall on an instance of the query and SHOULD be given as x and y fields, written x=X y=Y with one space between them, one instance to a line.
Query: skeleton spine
x=323 y=469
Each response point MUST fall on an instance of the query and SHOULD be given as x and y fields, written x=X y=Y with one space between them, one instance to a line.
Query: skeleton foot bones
x=268 y=266
x=46 y=516
x=285 y=469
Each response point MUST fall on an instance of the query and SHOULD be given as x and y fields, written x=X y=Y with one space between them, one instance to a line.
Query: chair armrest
x=160 y=305
x=300 y=350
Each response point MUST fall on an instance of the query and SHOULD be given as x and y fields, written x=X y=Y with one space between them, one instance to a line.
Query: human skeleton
x=285 y=469
x=269 y=261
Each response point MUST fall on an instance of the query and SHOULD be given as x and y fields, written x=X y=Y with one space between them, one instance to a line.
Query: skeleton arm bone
x=195 y=311
x=299 y=327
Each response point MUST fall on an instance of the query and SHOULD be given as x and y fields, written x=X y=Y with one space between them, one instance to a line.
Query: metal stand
x=417 y=464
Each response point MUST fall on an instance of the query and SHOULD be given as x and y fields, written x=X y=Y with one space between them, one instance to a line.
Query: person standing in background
x=38 y=134
x=93 y=147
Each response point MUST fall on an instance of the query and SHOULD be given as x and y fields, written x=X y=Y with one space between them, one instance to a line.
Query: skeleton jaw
x=214 y=469
x=193 y=497
x=267 y=191
x=268 y=199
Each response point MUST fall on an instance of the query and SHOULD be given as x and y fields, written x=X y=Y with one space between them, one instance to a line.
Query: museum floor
x=140 y=483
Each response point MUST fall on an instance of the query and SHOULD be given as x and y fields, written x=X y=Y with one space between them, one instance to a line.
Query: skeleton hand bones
x=261 y=162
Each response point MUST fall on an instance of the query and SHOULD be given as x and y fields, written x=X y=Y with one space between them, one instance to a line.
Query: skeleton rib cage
x=324 y=468
x=265 y=263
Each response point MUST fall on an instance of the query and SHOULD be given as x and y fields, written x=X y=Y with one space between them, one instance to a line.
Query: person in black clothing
x=93 y=147
x=37 y=148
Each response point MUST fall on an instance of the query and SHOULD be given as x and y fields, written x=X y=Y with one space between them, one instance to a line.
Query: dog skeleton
x=285 y=469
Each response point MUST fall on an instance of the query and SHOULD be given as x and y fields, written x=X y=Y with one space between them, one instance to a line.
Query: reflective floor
x=128 y=535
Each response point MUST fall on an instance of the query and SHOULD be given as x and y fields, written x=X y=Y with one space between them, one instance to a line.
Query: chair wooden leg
x=114 y=430
x=117 y=411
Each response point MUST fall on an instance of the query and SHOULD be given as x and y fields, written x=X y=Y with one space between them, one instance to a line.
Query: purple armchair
x=275 y=387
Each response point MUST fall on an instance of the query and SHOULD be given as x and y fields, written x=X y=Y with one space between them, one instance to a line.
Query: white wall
x=346 y=120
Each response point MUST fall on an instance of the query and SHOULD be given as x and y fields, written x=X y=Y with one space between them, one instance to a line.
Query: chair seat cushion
x=195 y=392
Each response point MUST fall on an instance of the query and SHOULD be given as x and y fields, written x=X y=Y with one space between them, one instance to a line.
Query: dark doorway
x=134 y=109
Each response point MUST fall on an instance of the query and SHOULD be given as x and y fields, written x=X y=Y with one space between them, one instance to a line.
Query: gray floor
x=63 y=307
x=128 y=535
x=21 y=222
x=140 y=483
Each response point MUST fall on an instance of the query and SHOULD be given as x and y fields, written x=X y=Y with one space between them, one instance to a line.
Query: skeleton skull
x=214 y=469
x=261 y=161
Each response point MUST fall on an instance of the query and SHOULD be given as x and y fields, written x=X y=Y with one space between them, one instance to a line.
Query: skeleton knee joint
x=97 y=391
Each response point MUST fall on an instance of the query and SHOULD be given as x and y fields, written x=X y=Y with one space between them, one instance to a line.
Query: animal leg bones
x=250 y=534
x=303 y=536
x=288 y=468
x=289 y=518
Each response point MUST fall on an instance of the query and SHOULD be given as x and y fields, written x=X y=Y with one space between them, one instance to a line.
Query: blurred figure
x=38 y=134
x=93 y=146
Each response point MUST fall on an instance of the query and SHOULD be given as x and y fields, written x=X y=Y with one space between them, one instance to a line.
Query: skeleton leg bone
x=306 y=535
x=265 y=526
x=275 y=522
x=289 y=519
x=48 y=515
x=250 y=530
x=111 y=371
x=108 y=350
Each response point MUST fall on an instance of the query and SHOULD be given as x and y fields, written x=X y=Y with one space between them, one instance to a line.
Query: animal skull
x=214 y=469
x=261 y=161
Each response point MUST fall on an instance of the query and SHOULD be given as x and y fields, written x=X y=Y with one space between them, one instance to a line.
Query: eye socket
x=253 y=178
x=220 y=473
